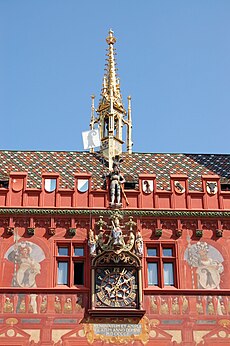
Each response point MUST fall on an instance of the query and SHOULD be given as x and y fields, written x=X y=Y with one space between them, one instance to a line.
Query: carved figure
x=33 y=303
x=139 y=244
x=116 y=179
x=211 y=310
x=117 y=235
x=199 y=308
x=153 y=303
x=22 y=306
x=8 y=306
x=57 y=305
x=131 y=240
x=68 y=306
x=43 y=306
x=92 y=243
x=175 y=306
x=164 y=307
x=184 y=305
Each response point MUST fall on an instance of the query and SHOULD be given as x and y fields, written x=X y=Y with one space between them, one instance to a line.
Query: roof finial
x=111 y=39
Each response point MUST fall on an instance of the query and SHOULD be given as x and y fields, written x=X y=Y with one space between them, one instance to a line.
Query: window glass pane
x=152 y=252
x=78 y=273
x=62 y=273
x=168 y=274
x=78 y=251
x=167 y=252
x=63 y=251
x=153 y=274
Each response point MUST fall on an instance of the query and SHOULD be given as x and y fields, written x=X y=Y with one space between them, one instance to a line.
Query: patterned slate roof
x=69 y=163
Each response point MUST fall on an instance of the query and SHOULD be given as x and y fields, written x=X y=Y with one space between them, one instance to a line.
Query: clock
x=116 y=287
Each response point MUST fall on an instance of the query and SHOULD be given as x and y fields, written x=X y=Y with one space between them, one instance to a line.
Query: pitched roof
x=67 y=163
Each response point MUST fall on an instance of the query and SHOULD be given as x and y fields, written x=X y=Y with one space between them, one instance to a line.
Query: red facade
x=49 y=269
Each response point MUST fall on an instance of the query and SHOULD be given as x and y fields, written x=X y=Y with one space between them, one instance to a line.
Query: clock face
x=116 y=287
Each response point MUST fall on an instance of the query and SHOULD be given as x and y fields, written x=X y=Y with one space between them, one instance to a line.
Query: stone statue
x=116 y=179
x=92 y=243
x=139 y=244
x=117 y=235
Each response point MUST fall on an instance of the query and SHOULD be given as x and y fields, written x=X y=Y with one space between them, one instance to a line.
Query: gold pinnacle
x=111 y=39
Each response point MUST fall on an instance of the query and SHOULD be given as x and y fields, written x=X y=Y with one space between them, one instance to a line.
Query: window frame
x=71 y=259
x=160 y=259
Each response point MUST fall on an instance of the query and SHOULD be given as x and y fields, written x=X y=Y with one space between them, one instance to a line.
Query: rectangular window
x=70 y=260
x=161 y=262
x=168 y=274
x=63 y=251
x=62 y=273
x=78 y=273
x=153 y=274
x=78 y=251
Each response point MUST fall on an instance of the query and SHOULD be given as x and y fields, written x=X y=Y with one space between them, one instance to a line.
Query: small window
x=167 y=252
x=63 y=251
x=152 y=252
x=78 y=273
x=4 y=184
x=62 y=273
x=129 y=185
x=78 y=251
x=153 y=274
x=168 y=274
x=225 y=187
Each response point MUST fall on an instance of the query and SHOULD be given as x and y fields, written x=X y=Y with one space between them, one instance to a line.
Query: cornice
x=109 y=212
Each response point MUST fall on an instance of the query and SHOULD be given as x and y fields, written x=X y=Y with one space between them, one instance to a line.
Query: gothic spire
x=111 y=111
x=111 y=94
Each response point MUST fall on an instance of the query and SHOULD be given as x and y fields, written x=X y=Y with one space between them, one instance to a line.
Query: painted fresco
x=26 y=257
x=206 y=263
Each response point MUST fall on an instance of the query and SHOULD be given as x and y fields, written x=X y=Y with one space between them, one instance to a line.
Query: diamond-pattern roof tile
x=69 y=163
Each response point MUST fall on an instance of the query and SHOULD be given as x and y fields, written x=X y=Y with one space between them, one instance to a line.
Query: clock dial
x=116 y=287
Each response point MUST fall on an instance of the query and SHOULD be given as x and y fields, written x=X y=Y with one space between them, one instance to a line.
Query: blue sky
x=173 y=59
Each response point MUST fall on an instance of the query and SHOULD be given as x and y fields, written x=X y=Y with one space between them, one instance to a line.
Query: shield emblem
x=179 y=188
x=83 y=185
x=211 y=187
x=147 y=186
x=17 y=184
x=50 y=185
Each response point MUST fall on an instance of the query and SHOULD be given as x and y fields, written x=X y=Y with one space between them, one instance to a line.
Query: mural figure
x=206 y=261
x=26 y=257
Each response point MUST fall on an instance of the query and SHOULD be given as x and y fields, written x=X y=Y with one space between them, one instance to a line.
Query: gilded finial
x=111 y=39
